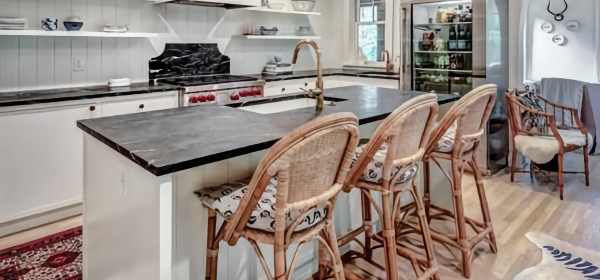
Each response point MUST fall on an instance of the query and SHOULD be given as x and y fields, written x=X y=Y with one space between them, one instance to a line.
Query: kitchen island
x=141 y=218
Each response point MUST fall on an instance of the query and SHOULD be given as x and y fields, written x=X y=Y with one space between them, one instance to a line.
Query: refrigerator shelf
x=431 y=26
x=443 y=52
x=444 y=70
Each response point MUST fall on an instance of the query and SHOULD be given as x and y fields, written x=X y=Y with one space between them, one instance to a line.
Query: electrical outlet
x=124 y=184
x=78 y=64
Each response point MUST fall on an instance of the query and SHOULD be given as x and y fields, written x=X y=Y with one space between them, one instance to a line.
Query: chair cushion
x=446 y=143
x=374 y=171
x=541 y=149
x=529 y=121
x=225 y=199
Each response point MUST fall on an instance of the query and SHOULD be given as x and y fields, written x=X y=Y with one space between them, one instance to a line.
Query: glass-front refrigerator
x=442 y=47
x=455 y=46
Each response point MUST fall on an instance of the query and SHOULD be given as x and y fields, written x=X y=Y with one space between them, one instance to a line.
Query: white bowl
x=276 y=6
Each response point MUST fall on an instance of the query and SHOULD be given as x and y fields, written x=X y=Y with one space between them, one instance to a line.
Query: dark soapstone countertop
x=172 y=140
x=66 y=94
x=329 y=72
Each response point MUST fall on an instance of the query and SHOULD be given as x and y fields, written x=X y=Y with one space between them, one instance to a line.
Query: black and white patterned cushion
x=374 y=171
x=225 y=199
x=529 y=100
x=446 y=143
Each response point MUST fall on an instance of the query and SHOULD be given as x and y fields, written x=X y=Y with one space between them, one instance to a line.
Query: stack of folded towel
x=13 y=23
x=119 y=82
x=277 y=68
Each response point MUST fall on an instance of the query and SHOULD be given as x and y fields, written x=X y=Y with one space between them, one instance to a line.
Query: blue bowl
x=73 y=25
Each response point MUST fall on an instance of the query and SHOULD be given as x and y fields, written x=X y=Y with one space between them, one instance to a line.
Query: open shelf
x=430 y=26
x=443 y=52
x=76 y=33
x=444 y=70
x=265 y=9
x=280 y=37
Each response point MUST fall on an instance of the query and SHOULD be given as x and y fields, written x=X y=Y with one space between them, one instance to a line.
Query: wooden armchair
x=310 y=165
x=541 y=132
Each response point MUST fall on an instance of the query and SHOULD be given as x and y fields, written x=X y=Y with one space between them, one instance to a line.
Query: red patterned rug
x=56 y=257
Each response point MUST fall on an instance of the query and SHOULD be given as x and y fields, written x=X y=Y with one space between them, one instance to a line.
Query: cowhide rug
x=561 y=261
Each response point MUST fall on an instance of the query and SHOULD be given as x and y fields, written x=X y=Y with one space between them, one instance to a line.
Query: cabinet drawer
x=138 y=106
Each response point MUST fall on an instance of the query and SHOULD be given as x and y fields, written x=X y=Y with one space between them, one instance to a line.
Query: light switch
x=78 y=65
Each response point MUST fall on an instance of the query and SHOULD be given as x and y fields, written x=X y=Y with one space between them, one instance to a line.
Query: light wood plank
x=9 y=59
x=27 y=62
x=45 y=62
x=62 y=62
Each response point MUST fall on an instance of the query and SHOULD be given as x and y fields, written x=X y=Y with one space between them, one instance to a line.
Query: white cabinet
x=41 y=154
x=139 y=105
x=41 y=159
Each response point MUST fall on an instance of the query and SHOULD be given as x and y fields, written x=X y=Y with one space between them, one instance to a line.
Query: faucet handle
x=308 y=91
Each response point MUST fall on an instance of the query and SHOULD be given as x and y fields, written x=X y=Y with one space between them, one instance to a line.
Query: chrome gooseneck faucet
x=317 y=92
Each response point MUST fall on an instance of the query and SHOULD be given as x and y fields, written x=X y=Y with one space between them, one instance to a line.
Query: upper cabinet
x=229 y=4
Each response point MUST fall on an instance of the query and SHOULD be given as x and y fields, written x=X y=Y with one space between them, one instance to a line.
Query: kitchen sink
x=283 y=103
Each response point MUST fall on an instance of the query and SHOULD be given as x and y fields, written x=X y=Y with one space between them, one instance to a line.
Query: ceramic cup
x=50 y=24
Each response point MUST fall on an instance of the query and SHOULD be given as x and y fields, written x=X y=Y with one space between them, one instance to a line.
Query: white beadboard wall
x=42 y=62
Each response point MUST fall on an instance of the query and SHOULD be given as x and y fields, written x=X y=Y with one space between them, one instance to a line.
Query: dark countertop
x=329 y=72
x=172 y=140
x=65 y=94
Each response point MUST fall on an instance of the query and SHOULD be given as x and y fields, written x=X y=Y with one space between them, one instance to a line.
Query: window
x=370 y=28
x=369 y=31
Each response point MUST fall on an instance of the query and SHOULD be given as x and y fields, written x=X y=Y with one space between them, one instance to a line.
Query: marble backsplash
x=183 y=60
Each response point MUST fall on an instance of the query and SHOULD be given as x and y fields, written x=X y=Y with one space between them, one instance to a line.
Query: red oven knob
x=193 y=99
x=235 y=96
x=243 y=93
x=202 y=98
x=211 y=97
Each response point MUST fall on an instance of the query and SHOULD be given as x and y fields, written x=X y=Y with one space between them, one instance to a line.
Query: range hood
x=228 y=4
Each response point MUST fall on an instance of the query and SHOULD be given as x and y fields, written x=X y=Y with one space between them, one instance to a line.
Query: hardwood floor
x=39 y=232
x=518 y=208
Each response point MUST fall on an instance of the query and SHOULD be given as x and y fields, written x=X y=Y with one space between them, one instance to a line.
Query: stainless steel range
x=202 y=72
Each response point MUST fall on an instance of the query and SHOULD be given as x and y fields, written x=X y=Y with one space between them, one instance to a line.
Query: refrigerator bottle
x=452 y=42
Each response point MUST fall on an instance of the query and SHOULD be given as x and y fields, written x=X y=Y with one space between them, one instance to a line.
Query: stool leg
x=587 y=167
x=459 y=215
x=389 y=237
x=560 y=175
x=212 y=257
x=368 y=224
x=338 y=267
x=426 y=188
x=513 y=165
x=485 y=210
x=425 y=232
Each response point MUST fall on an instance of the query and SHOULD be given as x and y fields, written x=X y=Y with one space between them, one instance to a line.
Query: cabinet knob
x=141 y=106
x=282 y=89
x=92 y=108
x=305 y=84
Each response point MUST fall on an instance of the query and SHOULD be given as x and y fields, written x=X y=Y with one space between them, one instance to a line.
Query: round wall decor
x=558 y=39
x=547 y=27
x=573 y=25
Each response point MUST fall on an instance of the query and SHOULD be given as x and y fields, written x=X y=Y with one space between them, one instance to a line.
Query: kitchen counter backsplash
x=179 y=60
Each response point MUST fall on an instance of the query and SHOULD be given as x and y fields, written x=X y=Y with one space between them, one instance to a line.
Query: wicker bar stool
x=298 y=179
x=455 y=139
x=388 y=164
